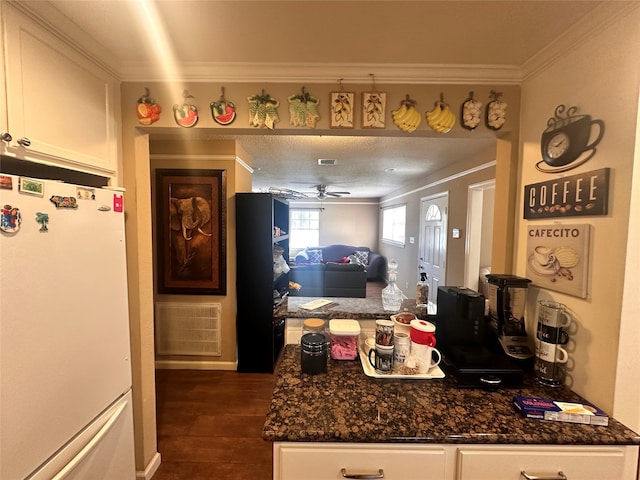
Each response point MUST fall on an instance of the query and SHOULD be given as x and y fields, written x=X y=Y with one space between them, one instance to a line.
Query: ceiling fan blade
x=343 y=193
x=333 y=194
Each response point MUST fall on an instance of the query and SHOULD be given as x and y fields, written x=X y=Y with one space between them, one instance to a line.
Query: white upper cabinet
x=57 y=98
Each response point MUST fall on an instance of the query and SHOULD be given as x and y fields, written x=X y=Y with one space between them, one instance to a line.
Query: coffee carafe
x=507 y=302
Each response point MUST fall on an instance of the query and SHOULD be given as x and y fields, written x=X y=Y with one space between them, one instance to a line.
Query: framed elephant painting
x=191 y=231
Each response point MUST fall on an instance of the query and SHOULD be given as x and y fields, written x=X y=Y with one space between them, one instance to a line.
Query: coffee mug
x=369 y=344
x=422 y=355
x=551 y=352
x=423 y=332
x=384 y=332
x=550 y=374
x=383 y=361
x=401 y=349
x=549 y=366
x=553 y=318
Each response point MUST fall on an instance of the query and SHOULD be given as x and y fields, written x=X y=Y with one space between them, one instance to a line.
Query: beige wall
x=346 y=221
x=600 y=76
x=205 y=155
x=475 y=170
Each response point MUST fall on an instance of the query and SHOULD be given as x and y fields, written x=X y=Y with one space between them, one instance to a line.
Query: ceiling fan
x=322 y=193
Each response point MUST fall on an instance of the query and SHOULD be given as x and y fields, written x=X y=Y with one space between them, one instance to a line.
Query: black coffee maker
x=471 y=352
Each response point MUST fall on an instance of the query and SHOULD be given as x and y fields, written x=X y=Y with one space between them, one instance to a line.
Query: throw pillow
x=315 y=255
x=362 y=256
x=344 y=260
x=353 y=259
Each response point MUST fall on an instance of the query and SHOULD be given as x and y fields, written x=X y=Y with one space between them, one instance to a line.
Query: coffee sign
x=573 y=196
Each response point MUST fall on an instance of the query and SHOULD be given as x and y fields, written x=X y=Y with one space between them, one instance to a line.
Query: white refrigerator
x=65 y=366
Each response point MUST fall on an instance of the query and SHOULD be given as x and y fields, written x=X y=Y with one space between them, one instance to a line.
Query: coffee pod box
x=559 y=411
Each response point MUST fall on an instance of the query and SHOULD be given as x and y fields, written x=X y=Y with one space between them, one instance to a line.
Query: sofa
x=330 y=279
x=374 y=263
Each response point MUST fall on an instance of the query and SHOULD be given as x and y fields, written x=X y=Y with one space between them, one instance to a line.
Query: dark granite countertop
x=344 y=405
x=356 y=308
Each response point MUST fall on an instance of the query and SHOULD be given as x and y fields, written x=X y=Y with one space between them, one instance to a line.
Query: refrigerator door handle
x=86 y=450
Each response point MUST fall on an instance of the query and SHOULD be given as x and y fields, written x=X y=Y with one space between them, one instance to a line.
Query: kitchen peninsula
x=356 y=308
x=429 y=429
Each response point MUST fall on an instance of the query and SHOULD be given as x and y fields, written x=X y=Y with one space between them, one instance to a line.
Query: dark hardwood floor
x=210 y=422
x=210 y=425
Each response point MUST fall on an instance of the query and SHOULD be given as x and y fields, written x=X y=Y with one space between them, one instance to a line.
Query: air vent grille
x=327 y=161
x=188 y=329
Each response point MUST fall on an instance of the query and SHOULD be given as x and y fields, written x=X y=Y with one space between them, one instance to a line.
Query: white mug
x=551 y=352
x=401 y=349
x=422 y=355
x=369 y=343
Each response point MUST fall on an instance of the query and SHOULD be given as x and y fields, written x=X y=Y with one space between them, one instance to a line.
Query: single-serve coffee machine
x=471 y=352
x=507 y=302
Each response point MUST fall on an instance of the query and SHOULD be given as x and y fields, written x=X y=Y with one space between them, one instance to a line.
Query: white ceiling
x=406 y=41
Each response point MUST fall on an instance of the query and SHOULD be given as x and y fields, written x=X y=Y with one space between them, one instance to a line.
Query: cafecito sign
x=573 y=196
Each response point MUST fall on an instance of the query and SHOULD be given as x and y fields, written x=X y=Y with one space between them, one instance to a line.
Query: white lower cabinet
x=547 y=462
x=328 y=461
x=324 y=461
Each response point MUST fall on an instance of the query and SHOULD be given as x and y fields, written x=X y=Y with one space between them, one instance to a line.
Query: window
x=433 y=213
x=393 y=224
x=305 y=228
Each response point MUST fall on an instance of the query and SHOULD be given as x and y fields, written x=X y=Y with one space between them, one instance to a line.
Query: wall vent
x=327 y=161
x=188 y=329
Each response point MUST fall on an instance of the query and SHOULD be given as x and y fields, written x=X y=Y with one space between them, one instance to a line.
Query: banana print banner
x=557 y=257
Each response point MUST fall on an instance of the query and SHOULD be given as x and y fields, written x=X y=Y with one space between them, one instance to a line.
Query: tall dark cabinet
x=262 y=222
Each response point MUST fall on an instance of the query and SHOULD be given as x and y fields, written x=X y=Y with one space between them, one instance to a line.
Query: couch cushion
x=362 y=256
x=344 y=267
x=315 y=255
x=333 y=253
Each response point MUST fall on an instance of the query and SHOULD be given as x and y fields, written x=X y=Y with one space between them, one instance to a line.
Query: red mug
x=423 y=332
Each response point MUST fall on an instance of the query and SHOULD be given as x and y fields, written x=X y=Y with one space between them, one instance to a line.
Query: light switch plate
x=455 y=233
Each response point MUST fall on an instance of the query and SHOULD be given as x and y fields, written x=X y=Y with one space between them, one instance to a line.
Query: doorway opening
x=479 y=237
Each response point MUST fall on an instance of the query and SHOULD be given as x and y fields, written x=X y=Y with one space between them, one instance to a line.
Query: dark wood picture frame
x=191 y=231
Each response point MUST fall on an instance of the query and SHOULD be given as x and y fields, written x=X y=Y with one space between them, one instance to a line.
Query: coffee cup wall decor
x=569 y=140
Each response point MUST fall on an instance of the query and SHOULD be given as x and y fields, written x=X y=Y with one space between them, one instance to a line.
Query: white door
x=433 y=241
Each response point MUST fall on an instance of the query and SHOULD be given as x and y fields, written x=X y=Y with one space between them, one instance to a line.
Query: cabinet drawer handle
x=526 y=476
x=362 y=476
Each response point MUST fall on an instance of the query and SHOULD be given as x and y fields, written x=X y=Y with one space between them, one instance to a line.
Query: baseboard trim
x=194 y=365
x=151 y=468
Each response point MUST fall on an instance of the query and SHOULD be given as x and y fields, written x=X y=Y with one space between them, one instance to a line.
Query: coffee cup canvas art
x=558 y=256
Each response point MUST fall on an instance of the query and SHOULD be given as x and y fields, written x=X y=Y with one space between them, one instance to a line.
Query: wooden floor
x=210 y=422
x=210 y=425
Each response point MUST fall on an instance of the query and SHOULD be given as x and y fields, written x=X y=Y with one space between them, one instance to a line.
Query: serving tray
x=369 y=371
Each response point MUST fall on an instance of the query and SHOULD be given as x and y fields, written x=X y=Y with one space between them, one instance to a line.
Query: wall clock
x=565 y=142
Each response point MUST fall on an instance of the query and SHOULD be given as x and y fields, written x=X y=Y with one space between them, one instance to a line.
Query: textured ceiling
x=138 y=40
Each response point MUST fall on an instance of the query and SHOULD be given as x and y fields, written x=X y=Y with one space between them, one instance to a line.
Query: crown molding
x=325 y=73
